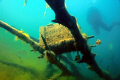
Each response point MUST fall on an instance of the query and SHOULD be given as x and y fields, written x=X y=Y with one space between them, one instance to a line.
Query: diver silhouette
x=94 y=18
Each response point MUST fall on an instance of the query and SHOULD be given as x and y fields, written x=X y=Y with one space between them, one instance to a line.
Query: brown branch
x=76 y=71
x=63 y=17
x=23 y=36
x=48 y=54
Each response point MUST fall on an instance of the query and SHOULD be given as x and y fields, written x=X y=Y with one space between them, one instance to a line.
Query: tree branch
x=64 y=18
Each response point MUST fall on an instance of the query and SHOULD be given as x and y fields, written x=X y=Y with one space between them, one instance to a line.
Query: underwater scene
x=59 y=39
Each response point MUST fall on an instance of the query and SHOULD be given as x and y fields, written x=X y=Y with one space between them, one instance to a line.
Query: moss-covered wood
x=49 y=55
x=75 y=43
x=63 y=17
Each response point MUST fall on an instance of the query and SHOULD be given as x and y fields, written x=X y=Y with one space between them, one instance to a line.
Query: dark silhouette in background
x=94 y=18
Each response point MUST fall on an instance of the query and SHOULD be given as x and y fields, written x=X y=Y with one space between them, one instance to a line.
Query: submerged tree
x=72 y=39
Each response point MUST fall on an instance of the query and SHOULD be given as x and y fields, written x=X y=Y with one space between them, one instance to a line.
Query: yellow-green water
x=17 y=62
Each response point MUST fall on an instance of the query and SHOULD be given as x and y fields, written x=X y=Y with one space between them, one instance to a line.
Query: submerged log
x=63 y=17
x=74 y=68
x=52 y=58
x=77 y=42
x=22 y=36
